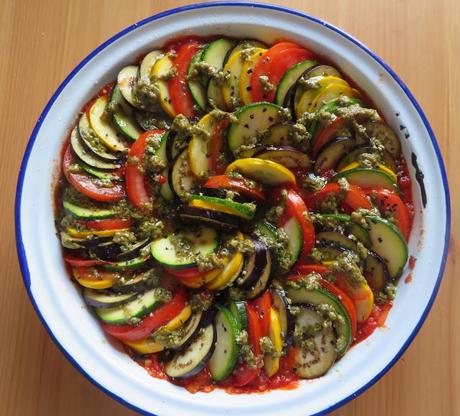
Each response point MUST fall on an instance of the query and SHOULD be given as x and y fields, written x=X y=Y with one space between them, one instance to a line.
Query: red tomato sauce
x=376 y=320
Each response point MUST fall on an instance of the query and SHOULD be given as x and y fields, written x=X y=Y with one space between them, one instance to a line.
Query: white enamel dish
x=59 y=304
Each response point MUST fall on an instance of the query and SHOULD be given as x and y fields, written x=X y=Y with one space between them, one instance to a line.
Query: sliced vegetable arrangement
x=236 y=213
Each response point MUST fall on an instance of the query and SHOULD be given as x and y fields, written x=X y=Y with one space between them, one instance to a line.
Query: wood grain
x=41 y=41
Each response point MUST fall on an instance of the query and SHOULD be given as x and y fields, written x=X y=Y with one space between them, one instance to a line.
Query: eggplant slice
x=216 y=219
x=286 y=156
x=254 y=265
x=195 y=357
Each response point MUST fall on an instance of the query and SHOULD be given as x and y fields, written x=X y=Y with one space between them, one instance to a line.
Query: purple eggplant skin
x=221 y=220
x=332 y=152
x=205 y=358
x=281 y=305
x=263 y=279
x=254 y=265
x=285 y=155
x=374 y=260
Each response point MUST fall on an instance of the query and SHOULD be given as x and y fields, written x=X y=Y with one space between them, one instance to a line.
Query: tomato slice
x=311 y=268
x=157 y=318
x=355 y=197
x=217 y=148
x=76 y=262
x=262 y=307
x=325 y=135
x=267 y=66
x=181 y=99
x=136 y=178
x=244 y=375
x=224 y=181
x=190 y=273
x=385 y=200
x=254 y=328
x=108 y=224
x=346 y=302
x=288 y=361
x=86 y=185
x=295 y=206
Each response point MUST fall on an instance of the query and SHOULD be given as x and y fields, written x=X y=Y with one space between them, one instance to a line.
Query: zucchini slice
x=252 y=118
x=162 y=68
x=103 y=299
x=246 y=74
x=272 y=362
x=229 y=274
x=103 y=127
x=93 y=142
x=181 y=179
x=228 y=206
x=131 y=264
x=355 y=154
x=126 y=81
x=195 y=357
x=293 y=229
x=196 y=88
x=225 y=355
x=203 y=242
x=322 y=296
x=238 y=310
x=88 y=157
x=148 y=62
x=137 y=308
x=214 y=54
x=231 y=87
x=123 y=116
x=289 y=80
x=389 y=244
x=281 y=306
x=198 y=148
x=368 y=178
x=263 y=171
x=215 y=95
x=312 y=363
x=87 y=213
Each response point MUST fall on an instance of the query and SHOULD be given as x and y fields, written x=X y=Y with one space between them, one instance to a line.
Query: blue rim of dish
x=20 y=246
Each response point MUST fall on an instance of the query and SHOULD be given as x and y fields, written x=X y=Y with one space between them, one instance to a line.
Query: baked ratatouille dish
x=236 y=214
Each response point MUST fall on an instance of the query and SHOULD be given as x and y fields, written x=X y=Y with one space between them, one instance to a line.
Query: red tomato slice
x=385 y=200
x=325 y=135
x=295 y=206
x=108 y=224
x=254 y=329
x=191 y=273
x=136 y=179
x=157 y=318
x=76 y=262
x=287 y=362
x=311 y=268
x=86 y=185
x=265 y=66
x=244 y=375
x=346 y=302
x=217 y=148
x=262 y=307
x=223 y=181
x=181 y=99
x=274 y=68
x=354 y=199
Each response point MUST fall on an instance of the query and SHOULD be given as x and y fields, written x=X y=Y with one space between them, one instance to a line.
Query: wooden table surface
x=42 y=40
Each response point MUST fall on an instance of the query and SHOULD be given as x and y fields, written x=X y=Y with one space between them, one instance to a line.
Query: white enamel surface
x=77 y=330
